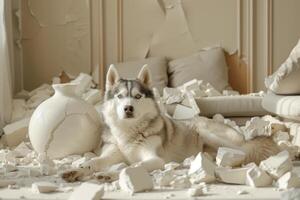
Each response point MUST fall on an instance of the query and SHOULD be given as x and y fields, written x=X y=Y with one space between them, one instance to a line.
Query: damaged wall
x=56 y=34
x=55 y=37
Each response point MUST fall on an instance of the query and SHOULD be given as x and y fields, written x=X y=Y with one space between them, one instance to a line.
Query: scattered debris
x=43 y=187
x=233 y=175
x=256 y=127
x=135 y=179
x=288 y=180
x=87 y=191
x=202 y=169
x=256 y=177
x=242 y=192
x=228 y=157
x=181 y=182
x=195 y=191
x=277 y=165
x=183 y=112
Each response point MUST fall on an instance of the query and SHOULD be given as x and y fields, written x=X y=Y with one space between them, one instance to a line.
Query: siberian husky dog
x=138 y=133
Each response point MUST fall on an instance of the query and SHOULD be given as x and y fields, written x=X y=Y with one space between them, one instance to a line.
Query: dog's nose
x=128 y=109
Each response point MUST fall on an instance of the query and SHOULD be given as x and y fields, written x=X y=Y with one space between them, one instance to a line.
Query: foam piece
x=277 y=165
x=288 y=180
x=43 y=187
x=135 y=179
x=190 y=85
x=187 y=162
x=234 y=176
x=117 y=167
x=183 y=112
x=192 y=103
x=218 y=118
x=228 y=157
x=16 y=132
x=79 y=162
x=87 y=191
x=256 y=127
x=202 y=169
x=256 y=177
x=181 y=182
x=295 y=132
x=22 y=150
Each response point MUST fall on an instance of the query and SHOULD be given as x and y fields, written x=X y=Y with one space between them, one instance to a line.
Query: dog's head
x=132 y=99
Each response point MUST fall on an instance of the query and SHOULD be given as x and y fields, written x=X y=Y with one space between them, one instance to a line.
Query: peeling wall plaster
x=55 y=37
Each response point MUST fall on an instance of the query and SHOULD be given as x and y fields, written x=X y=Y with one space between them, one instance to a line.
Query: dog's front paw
x=107 y=176
x=75 y=174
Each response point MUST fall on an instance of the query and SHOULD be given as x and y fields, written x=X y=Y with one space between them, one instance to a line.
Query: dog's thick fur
x=140 y=134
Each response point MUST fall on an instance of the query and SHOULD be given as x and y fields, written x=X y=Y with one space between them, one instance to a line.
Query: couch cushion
x=208 y=65
x=284 y=106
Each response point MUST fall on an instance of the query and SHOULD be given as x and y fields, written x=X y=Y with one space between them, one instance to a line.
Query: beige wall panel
x=56 y=36
x=212 y=22
x=286 y=29
x=141 y=20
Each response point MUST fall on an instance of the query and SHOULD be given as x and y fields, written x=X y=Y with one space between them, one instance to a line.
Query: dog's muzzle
x=129 y=111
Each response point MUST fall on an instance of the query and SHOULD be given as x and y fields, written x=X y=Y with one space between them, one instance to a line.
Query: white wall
x=56 y=34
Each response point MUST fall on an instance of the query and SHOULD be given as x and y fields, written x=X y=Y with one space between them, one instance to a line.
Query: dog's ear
x=112 y=77
x=145 y=76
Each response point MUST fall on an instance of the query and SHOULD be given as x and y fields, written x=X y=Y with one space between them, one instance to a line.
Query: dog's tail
x=259 y=149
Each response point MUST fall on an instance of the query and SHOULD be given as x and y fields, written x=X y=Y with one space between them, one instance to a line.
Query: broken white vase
x=64 y=124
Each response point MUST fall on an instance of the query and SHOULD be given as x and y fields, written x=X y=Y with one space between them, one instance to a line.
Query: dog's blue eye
x=119 y=96
x=138 y=96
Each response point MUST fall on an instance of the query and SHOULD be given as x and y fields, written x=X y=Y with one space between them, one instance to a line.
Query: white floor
x=216 y=191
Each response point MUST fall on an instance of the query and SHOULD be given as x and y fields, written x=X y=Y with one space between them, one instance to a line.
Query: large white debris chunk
x=277 y=165
x=191 y=102
x=228 y=157
x=172 y=95
x=288 y=180
x=234 y=176
x=183 y=112
x=135 y=179
x=281 y=136
x=87 y=191
x=202 y=169
x=292 y=194
x=187 y=162
x=256 y=127
x=43 y=187
x=181 y=182
x=16 y=132
x=256 y=177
